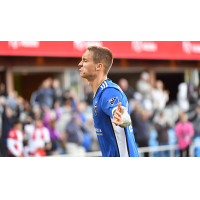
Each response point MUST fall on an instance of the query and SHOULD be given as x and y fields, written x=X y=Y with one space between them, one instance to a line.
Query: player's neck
x=94 y=84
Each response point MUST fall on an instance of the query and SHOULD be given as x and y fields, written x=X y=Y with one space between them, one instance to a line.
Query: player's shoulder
x=111 y=90
x=108 y=90
x=108 y=86
x=111 y=94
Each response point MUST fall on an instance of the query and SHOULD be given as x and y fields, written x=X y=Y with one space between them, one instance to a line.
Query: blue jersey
x=114 y=141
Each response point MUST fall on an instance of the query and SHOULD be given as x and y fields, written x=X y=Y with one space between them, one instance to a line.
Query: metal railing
x=141 y=151
x=155 y=149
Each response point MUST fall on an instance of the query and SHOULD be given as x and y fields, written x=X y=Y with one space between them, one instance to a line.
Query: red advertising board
x=176 y=50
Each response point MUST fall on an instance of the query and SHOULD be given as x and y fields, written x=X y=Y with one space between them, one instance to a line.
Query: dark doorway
x=171 y=82
x=25 y=85
x=3 y=86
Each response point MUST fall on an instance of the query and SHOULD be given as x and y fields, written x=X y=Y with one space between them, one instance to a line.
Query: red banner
x=179 y=50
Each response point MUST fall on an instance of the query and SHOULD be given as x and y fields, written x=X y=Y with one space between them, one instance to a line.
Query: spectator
x=159 y=96
x=34 y=99
x=58 y=91
x=184 y=131
x=88 y=95
x=70 y=94
x=80 y=110
x=182 y=98
x=77 y=133
x=195 y=119
x=9 y=114
x=128 y=90
x=2 y=103
x=36 y=112
x=143 y=85
x=12 y=99
x=45 y=94
x=192 y=96
x=38 y=138
x=137 y=100
x=15 y=140
x=161 y=127
x=66 y=113
x=49 y=122
x=142 y=118
x=94 y=146
x=25 y=115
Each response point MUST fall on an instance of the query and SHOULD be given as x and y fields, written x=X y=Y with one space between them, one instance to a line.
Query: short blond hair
x=102 y=55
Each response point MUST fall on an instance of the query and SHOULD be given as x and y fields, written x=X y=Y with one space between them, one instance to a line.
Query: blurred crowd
x=152 y=126
x=55 y=121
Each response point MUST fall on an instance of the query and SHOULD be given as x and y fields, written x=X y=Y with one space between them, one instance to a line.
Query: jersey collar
x=107 y=79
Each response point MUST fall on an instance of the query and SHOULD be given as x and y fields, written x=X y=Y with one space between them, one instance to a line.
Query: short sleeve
x=110 y=99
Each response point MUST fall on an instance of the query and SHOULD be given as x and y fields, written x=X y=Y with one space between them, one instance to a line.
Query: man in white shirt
x=38 y=138
x=159 y=96
x=143 y=85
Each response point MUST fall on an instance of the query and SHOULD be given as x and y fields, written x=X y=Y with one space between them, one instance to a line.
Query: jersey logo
x=95 y=109
x=114 y=101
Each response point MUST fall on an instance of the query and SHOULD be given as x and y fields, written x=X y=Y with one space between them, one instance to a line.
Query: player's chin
x=83 y=75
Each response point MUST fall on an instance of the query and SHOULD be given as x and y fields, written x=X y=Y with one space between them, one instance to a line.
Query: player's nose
x=80 y=64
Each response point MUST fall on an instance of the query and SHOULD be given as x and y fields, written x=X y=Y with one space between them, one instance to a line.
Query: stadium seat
x=172 y=136
x=75 y=149
x=153 y=142
x=173 y=140
x=196 y=149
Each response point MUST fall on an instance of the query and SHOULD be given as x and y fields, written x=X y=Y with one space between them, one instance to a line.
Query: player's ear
x=99 y=66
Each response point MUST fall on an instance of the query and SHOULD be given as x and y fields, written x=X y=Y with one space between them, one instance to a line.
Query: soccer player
x=110 y=106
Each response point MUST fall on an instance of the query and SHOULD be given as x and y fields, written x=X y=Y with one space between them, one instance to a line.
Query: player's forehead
x=88 y=55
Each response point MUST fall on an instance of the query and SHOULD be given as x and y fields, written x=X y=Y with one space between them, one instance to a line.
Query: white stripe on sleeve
x=121 y=140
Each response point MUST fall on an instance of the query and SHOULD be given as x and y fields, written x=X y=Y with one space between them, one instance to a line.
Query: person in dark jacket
x=88 y=95
x=161 y=127
x=141 y=121
x=192 y=96
x=77 y=133
x=8 y=116
x=45 y=94
x=194 y=117
x=58 y=92
x=127 y=89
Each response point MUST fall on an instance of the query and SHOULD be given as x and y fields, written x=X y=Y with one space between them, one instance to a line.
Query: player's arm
x=121 y=117
x=112 y=101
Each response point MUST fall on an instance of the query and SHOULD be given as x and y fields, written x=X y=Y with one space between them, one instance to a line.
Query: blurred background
x=46 y=107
